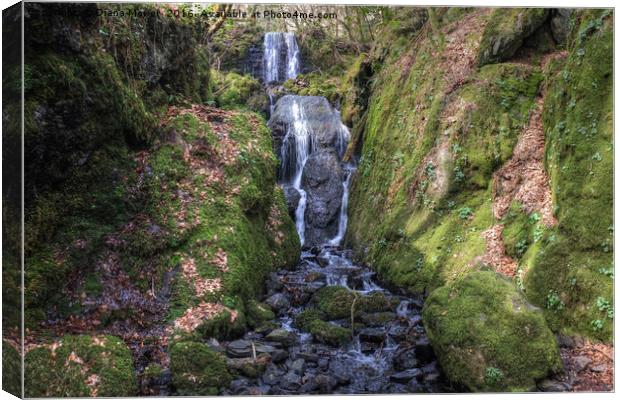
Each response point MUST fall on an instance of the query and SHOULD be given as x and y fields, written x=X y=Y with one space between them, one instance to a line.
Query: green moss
x=80 y=366
x=487 y=337
x=232 y=90
x=335 y=301
x=311 y=320
x=258 y=313
x=197 y=370
x=506 y=30
x=11 y=370
x=314 y=84
x=578 y=123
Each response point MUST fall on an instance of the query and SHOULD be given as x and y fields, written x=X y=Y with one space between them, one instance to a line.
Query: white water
x=274 y=43
x=298 y=144
x=344 y=217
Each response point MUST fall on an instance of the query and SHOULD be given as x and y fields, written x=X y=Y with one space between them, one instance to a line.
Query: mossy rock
x=506 y=30
x=311 y=320
x=487 y=337
x=233 y=90
x=335 y=301
x=197 y=370
x=258 y=313
x=81 y=366
x=11 y=370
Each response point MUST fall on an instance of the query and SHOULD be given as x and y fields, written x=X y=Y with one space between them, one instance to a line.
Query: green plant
x=554 y=302
x=493 y=375
x=465 y=212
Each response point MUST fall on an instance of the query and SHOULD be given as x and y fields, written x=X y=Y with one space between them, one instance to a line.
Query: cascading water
x=281 y=58
x=387 y=350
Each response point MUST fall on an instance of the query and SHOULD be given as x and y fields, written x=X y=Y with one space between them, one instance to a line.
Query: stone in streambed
x=406 y=376
x=292 y=197
x=374 y=335
x=405 y=358
x=378 y=319
x=250 y=367
x=279 y=302
x=282 y=336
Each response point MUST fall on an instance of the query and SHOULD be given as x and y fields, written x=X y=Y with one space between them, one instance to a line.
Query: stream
x=388 y=351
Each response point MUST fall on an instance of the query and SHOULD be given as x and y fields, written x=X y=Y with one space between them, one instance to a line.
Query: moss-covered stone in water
x=312 y=321
x=80 y=366
x=335 y=301
x=258 y=313
x=197 y=370
x=481 y=324
x=11 y=370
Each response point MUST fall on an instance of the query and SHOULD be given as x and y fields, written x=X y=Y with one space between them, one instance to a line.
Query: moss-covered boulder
x=506 y=30
x=335 y=301
x=487 y=337
x=312 y=321
x=258 y=313
x=80 y=366
x=233 y=90
x=197 y=370
x=11 y=370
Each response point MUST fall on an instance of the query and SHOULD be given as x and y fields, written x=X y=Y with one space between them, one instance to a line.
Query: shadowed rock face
x=322 y=180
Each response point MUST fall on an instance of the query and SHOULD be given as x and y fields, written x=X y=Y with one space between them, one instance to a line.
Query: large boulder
x=487 y=337
x=81 y=366
x=317 y=114
x=197 y=370
x=322 y=181
x=506 y=30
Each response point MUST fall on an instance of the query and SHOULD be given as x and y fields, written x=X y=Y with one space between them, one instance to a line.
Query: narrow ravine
x=337 y=330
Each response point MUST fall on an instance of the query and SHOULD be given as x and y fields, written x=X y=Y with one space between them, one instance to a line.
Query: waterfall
x=297 y=145
x=275 y=43
x=344 y=217
x=292 y=56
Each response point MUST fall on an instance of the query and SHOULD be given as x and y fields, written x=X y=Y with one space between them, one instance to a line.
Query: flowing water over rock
x=337 y=330
x=281 y=57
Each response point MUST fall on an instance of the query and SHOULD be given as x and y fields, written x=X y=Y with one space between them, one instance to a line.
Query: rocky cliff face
x=468 y=162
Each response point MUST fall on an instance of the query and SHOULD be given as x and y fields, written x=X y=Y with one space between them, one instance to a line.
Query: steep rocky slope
x=152 y=219
x=487 y=146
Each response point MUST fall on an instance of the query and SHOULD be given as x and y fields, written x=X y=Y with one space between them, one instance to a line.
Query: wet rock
x=279 y=355
x=290 y=381
x=292 y=197
x=250 y=367
x=310 y=357
x=262 y=348
x=322 y=261
x=279 y=302
x=378 y=319
x=282 y=336
x=321 y=118
x=272 y=375
x=298 y=366
x=322 y=180
x=375 y=335
x=405 y=358
x=424 y=351
x=398 y=332
x=237 y=386
x=239 y=348
x=407 y=375
x=323 y=363
x=551 y=385
x=599 y=368
x=325 y=384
